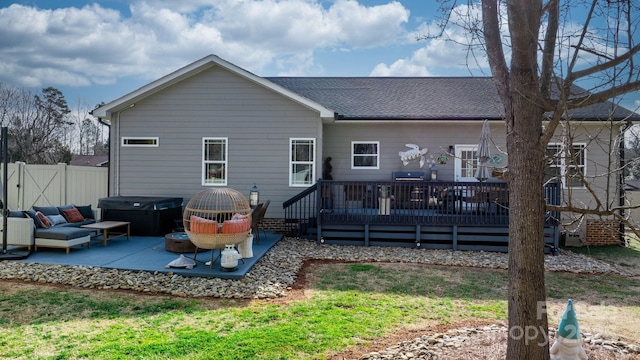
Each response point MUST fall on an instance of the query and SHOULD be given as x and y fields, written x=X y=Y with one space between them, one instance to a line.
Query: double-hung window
x=566 y=163
x=365 y=154
x=302 y=161
x=214 y=161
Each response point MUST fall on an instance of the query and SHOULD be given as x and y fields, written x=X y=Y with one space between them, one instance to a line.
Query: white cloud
x=400 y=67
x=298 y=65
x=362 y=26
x=449 y=50
x=96 y=45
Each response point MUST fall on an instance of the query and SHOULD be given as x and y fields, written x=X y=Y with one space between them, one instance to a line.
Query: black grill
x=408 y=176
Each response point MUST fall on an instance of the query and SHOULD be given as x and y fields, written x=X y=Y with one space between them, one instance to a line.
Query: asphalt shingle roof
x=428 y=98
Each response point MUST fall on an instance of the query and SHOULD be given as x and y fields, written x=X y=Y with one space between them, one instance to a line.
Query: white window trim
x=125 y=139
x=564 y=166
x=457 y=162
x=205 y=162
x=377 y=156
x=312 y=162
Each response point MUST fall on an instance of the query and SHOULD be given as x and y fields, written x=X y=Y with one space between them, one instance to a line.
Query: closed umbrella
x=483 y=172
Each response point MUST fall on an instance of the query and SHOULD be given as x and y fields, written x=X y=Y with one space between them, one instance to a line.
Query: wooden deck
x=437 y=215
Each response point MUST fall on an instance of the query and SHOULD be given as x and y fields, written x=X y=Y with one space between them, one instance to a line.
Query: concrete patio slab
x=147 y=253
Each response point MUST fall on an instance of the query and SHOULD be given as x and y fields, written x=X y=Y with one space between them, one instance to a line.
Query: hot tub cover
x=139 y=203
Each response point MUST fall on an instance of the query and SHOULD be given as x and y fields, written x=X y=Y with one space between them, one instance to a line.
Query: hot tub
x=149 y=216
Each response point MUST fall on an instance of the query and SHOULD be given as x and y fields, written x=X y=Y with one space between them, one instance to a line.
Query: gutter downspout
x=108 y=154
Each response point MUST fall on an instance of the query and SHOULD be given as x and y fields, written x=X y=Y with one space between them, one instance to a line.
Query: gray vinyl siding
x=257 y=122
x=435 y=136
x=602 y=169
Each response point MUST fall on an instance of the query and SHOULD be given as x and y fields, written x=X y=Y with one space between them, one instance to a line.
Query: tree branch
x=574 y=59
x=628 y=56
x=602 y=96
x=493 y=43
x=550 y=38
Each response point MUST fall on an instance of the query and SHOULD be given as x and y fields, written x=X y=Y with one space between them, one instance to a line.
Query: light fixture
x=254 y=196
x=434 y=172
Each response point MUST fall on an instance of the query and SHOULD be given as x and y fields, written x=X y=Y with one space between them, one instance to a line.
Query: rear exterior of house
x=244 y=128
x=214 y=124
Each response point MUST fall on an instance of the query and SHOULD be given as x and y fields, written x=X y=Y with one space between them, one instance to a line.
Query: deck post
x=454 y=233
x=418 y=235
x=366 y=234
x=319 y=212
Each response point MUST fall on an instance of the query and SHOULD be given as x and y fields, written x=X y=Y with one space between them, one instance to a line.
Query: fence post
x=62 y=173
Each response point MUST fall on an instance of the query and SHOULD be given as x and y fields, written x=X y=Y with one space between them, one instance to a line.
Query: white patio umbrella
x=483 y=172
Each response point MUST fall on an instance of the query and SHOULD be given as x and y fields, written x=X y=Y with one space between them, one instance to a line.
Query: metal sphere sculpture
x=217 y=217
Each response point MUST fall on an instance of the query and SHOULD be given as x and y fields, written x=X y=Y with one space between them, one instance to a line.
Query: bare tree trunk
x=519 y=89
x=528 y=324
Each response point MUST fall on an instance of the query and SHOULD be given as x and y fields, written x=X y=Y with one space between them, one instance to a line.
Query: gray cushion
x=36 y=219
x=47 y=210
x=64 y=207
x=85 y=211
x=16 y=213
x=57 y=219
x=77 y=224
x=62 y=233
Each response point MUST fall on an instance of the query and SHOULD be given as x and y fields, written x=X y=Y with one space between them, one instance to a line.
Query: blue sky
x=98 y=51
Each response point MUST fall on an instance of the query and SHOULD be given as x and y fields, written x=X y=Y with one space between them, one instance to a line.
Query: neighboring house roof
x=632 y=185
x=105 y=111
x=90 y=160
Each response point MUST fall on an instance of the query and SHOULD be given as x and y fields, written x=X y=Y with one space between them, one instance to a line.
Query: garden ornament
x=181 y=262
x=414 y=154
x=568 y=344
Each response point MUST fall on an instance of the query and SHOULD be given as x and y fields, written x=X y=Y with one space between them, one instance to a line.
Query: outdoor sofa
x=51 y=226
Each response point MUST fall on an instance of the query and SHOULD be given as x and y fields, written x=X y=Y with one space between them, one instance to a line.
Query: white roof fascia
x=105 y=111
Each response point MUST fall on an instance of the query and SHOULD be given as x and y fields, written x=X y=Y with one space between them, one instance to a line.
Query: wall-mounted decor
x=442 y=159
x=413 y=154
x=496 y=159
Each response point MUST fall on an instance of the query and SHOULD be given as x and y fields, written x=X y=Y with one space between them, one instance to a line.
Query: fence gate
x=56 y=185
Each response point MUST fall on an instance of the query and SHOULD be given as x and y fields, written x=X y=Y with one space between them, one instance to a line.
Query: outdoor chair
x=215 y=218
x=255 y=216
x=256 y=220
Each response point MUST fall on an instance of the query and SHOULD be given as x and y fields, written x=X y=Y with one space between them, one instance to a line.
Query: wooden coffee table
x=106 y=226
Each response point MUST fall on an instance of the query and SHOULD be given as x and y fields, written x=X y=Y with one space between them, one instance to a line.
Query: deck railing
x=405 y=203
x=301 y=210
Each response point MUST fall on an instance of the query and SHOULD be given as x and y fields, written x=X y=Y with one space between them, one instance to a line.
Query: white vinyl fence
x=54 y=185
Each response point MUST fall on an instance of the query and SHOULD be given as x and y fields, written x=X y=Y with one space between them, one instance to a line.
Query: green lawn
x=350 y=304
x=627 y=257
